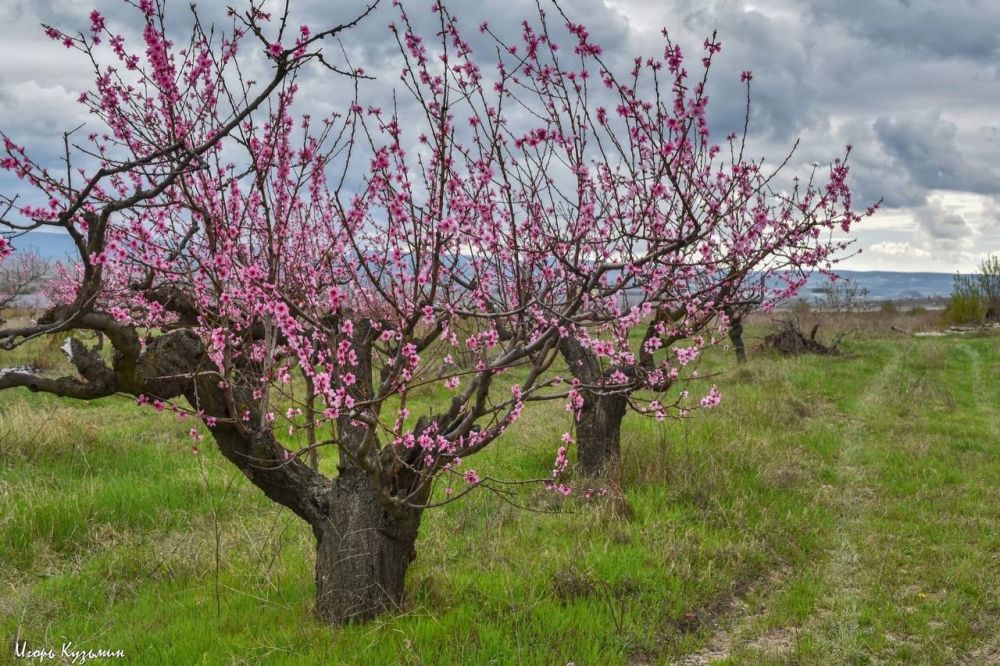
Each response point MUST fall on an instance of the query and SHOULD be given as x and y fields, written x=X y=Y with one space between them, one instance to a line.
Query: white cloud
x=904 y=249
x=41 y=110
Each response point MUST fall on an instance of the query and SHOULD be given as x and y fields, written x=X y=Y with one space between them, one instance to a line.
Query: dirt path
x=733 y=626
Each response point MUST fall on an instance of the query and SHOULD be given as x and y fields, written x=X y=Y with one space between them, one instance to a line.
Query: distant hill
x=881 y=285
x=888 y=285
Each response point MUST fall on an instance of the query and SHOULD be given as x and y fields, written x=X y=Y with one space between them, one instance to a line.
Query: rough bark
x=598 y=428
x=362 y=552
x=598 y=434
x=174 y=364
x=736 y=338
x=365 y=547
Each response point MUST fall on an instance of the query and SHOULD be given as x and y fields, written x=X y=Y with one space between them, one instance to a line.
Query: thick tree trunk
x=598 y=434
x=736 y=337
x=598 y=429
x=362 y=552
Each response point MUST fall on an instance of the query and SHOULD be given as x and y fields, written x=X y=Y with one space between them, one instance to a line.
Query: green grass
x=832 y=511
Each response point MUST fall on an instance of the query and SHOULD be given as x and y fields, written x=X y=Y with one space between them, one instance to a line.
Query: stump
x=789 y=340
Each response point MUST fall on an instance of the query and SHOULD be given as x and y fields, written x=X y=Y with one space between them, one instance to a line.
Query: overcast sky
x=913 y=85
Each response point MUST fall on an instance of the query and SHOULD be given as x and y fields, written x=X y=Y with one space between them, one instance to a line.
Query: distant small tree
x=801 y=306
x=735 y=316
x=20 y=275
x=843 y=295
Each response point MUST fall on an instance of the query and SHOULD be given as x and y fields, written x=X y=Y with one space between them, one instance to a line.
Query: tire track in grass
x=988 y=652
x=735 y=628
x=883 y=525
x=853 y=493
x=981 y=387
x=731 y=625
x=884 y=545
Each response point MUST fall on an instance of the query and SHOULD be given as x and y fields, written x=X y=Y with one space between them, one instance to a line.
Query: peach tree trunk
x=599 y=422
x=362 y=552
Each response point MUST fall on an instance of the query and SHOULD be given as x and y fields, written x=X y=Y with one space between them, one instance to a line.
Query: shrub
x=967 y=304
x=975 y=298
x=988 y=281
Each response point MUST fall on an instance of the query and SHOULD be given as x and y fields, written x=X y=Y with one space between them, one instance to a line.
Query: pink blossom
x=712 y=399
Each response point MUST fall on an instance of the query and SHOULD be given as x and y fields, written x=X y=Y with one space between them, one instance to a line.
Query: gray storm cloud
x=913 y=86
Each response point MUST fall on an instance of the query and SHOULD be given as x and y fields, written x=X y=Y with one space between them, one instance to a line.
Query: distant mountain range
x=888 y=285
x=881 y=285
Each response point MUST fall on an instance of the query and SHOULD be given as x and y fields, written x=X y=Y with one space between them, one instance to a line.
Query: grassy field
x=841 y=510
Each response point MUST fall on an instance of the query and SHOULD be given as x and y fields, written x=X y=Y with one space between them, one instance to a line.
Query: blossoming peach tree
x=400 y=291
x=744 y=240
